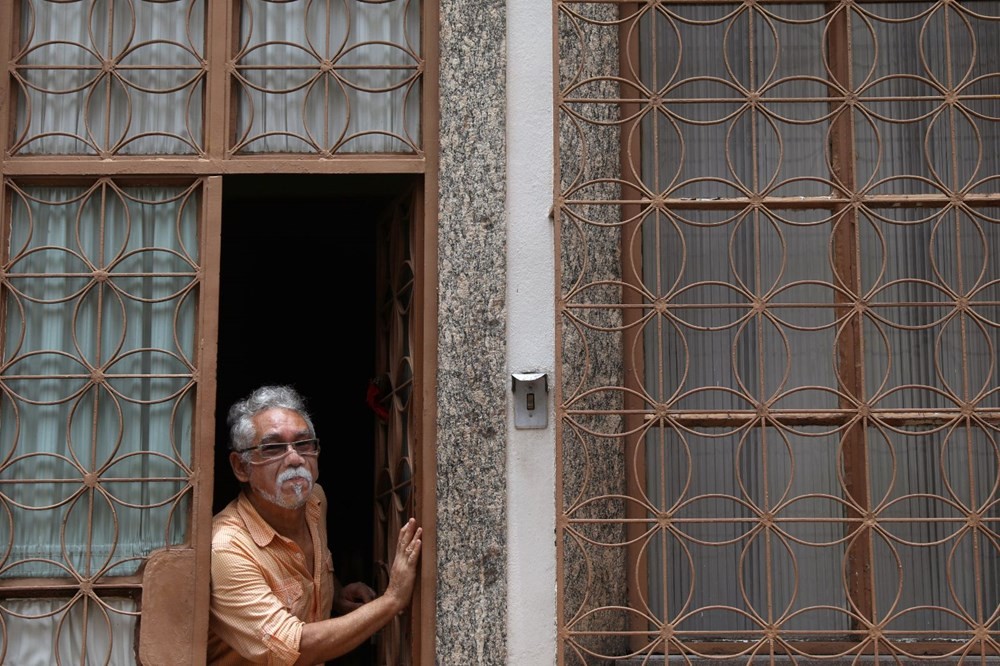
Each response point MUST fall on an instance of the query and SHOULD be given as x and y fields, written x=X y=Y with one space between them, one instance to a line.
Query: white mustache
x=295 y=473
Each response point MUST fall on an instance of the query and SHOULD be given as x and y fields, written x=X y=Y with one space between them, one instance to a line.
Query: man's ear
x=239 y=466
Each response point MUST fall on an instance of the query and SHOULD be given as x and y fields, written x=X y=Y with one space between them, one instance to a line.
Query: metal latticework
x=99 y=300
x=395 y=450
x=120 y=77
x=328 y=76
x=119 y=121
x=88 y=77
x=778 y=233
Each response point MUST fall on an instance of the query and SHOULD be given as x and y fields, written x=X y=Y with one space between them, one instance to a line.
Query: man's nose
x=293 y=458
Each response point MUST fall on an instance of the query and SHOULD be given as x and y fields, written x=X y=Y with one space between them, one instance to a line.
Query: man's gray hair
x=240 y=419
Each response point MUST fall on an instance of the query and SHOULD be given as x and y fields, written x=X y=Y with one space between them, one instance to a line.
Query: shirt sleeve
x=246 y=613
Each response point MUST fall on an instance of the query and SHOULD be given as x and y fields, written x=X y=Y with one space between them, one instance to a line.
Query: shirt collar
x=260 y=530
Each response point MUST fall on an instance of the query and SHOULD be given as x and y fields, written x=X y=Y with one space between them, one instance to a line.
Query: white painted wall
x=531 y=565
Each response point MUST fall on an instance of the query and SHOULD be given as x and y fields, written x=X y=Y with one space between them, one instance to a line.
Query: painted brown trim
x=167 y=623
x=204 y=455
x=8 y=17
x=425 y=300
x=170 y=166
x=218 y=131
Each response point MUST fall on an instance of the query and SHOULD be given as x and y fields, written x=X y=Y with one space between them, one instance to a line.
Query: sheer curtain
x=929 y=355
x=333 y=76
x=713 y=353
x=147 y=100
x=127 y=78
x=98 y=371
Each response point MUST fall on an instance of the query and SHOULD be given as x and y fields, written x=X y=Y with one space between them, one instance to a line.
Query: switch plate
x=531 y=399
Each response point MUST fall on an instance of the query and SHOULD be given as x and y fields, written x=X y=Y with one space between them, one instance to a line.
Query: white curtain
x=66 y=634
x=335 y=76
x=150 y=103
x=96 y=475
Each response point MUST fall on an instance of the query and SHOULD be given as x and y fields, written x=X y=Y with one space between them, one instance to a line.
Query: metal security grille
x=100 y=300
x=118 y=119
x=113 y=77
x=395 y=446
x=778 y=229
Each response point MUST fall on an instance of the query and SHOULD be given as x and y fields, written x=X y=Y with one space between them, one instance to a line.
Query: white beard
x=301 y=494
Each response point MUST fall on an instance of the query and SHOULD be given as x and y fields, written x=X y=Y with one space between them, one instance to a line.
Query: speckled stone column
x=472 y=384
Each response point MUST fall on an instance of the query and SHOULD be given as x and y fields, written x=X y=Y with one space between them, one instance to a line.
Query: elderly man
x=273 y=586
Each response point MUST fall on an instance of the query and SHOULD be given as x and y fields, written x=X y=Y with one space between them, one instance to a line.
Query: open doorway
x=297 y=306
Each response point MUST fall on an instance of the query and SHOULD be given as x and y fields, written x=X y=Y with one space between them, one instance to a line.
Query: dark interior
x=297 y=306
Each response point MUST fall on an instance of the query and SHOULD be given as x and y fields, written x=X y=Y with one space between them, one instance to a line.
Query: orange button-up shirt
x=262 y=592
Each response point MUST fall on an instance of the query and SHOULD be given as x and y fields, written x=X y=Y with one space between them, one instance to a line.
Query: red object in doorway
x=375 y=399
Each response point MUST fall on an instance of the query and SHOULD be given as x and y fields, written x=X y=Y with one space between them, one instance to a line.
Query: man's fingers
x=364 y=594
x=412 y=549
x=406 y=531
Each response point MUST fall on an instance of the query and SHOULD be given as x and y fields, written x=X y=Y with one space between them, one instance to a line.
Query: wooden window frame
x=174 y=614
x=637 y=414
x=848 y=362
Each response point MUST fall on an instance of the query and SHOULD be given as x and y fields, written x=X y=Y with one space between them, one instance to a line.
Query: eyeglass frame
x=289 y=446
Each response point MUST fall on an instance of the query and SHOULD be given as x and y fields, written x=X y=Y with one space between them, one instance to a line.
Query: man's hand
x=327 y=639
x=403 y=573
x=352 y=596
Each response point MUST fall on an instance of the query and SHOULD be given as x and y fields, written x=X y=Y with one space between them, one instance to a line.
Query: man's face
x=287 y=480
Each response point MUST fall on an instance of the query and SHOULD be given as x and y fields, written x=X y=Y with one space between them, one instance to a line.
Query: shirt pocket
x=289 y=592
x=326 y=583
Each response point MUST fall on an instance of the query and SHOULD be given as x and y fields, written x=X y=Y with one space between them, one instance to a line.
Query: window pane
x=930 y=334
x=99 y=348
x=908 y=63
x=332 y=77
x=934 y=499
x=110 y=77
x=753 y=518
x=741 y=309
x=700 y=138
x=41 y=631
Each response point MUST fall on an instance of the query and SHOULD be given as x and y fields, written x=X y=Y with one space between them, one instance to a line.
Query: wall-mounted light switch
x=531 y=399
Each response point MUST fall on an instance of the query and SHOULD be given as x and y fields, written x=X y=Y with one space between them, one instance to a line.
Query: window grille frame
x=634 y=412
x=210 y=168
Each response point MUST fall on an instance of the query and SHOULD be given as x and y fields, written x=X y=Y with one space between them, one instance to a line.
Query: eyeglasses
x=276 y=450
